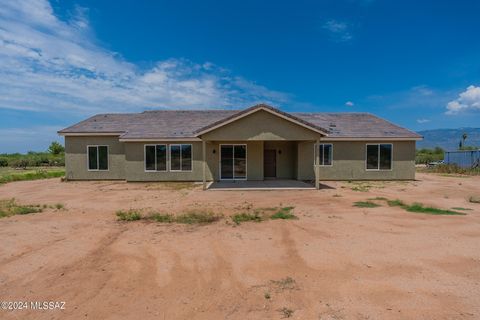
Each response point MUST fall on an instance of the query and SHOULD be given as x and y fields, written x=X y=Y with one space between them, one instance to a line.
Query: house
x=257 y=143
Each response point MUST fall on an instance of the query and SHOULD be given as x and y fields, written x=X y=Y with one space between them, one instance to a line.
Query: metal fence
x=464 y=159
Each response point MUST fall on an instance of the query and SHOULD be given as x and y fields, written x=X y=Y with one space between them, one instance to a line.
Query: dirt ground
x=335 y=262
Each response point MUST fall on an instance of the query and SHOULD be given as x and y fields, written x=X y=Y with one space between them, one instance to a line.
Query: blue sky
x=416 y=63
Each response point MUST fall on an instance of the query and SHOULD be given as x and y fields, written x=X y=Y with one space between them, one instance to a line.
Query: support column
x=204 y=165
x=317 y=165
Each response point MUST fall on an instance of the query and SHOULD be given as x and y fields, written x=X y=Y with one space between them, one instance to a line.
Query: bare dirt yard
x=336 y=261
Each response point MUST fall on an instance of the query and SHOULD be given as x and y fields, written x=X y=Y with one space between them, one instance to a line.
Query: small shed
x=463 y=158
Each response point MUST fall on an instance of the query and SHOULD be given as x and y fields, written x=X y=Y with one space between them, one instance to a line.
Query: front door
x=270 y=163
x=233 y=162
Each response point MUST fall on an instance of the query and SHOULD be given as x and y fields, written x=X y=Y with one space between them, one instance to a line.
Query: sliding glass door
x=233 y=162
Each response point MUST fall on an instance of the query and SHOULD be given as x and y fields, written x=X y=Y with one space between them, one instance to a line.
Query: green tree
x=56 y=148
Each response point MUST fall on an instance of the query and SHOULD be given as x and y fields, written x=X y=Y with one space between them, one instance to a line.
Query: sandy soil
x=335 y=262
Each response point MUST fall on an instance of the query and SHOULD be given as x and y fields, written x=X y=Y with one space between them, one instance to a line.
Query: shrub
x=130 y=215
x=3 y=162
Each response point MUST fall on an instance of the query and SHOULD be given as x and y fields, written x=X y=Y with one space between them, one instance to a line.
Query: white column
x=204 y=156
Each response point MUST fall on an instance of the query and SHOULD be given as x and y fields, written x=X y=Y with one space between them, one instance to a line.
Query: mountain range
x=448 y=139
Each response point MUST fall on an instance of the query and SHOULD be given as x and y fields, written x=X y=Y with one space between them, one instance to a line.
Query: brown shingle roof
x=186 y=123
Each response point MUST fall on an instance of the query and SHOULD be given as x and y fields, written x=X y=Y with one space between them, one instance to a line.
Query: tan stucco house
x=257 y=143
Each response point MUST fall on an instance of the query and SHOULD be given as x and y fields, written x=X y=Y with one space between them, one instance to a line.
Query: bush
x=3 y=162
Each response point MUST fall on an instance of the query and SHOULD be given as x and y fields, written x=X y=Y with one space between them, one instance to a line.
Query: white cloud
x=349 y=104
x=339 y=31
x=421 y=121
x=467 y=100
x=51 y=65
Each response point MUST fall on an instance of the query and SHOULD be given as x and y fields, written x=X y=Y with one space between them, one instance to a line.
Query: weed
x=461 y=209
x=379 y=198
x=59 y=206
x=396 y=203
x=130 y=215
x=337 y=196
x=418 y=207
x=11 y=207
x=284 y=213
x=286 y=283
x=194 y=217
x=366 y=204
x=163 y=218
x=287 y=313
x=244 y=217
x=267 y=295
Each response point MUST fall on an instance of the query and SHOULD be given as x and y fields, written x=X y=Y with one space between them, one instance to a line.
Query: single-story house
x=257 y=143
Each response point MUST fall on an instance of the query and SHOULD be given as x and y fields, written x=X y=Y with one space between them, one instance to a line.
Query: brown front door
x=269 y=163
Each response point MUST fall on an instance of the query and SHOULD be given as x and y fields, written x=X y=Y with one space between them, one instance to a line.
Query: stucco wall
x=285 y=158
x=135 y=163
x=261 y=125
x=349 y=162
x=76 y=158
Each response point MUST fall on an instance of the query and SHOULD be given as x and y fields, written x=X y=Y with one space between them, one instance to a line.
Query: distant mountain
x=448 y=139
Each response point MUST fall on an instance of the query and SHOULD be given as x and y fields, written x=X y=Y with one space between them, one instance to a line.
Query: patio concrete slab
x=261 y=185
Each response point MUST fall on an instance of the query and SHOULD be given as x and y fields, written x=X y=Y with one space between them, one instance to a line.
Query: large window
x=325 y=152
x=379 y=156
x=156 y=157
x=180 y=157
x=97 y=158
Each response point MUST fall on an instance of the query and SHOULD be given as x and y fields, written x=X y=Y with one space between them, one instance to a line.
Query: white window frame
x=181 y=158
x=316 y=148
x=220 y=161
x=98 y=157
x=145 y=157
x=378 y=154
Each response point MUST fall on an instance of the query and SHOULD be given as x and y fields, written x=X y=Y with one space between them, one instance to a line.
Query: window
x=97 y=158
x=379 y=156
x=180 y=157
x=326 y=154
x=156 y=157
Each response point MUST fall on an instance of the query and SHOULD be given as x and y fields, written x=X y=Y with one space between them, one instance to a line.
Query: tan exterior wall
x=286 y=158
x=261 y=125
x=126 y=161
x=349 y=162
x=135 y=162
x=76 y=167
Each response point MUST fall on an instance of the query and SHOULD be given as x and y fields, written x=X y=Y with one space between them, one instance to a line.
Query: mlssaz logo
x=47 y=305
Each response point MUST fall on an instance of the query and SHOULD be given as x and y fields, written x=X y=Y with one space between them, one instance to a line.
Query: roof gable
x=257 y=108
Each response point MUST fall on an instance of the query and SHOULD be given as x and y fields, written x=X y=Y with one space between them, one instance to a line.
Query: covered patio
x=277 y=184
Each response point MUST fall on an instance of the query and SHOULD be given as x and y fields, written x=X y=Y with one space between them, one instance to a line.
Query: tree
x=56 y=148
x=464 y=137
